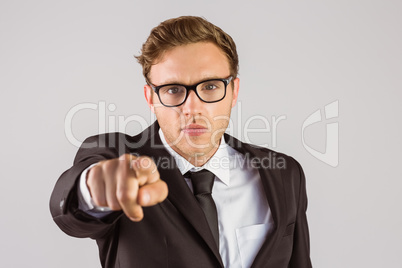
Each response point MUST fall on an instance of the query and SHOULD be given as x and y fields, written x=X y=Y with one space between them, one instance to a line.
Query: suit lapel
x=272 y=182
x=179 y=193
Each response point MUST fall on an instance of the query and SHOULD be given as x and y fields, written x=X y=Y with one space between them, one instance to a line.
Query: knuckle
x=96 y=200
x=113 y=205
x=127 y=157
x=108 y=165
x=99 y=201
x=93 y=176
x=124 y=162
x=125 y=196
x=93 y=173
x=122 y=196
x=91 y=180
x=145 y=162
x=123 y=157
x=142 y=179
x=112 y=202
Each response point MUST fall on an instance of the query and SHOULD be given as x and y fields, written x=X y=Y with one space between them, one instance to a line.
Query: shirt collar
x=219 y=163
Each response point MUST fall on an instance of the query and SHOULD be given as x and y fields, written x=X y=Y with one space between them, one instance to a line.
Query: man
x=142 y=197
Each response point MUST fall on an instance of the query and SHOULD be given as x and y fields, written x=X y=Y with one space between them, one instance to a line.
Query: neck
x=199 y=159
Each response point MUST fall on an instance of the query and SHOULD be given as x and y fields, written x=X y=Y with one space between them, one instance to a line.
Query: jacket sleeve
x=301 y=245
x=64 y=199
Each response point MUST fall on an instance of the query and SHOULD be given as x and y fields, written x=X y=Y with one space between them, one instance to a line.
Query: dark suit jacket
x=175 y=233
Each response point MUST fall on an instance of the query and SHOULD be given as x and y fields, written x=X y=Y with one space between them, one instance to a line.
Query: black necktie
x=202 y=186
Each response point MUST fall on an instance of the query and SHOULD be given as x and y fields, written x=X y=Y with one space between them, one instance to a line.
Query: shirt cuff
x=85 y=201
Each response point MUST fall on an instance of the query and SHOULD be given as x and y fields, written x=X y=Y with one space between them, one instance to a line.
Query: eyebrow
x=169 y=82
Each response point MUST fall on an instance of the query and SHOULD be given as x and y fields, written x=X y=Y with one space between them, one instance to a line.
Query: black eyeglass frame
x=225 y=81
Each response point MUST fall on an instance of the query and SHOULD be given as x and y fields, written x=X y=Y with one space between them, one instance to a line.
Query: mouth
x=194 y=130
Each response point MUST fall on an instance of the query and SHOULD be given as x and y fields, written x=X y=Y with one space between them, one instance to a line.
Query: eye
x=172 y=90
x=210 y=86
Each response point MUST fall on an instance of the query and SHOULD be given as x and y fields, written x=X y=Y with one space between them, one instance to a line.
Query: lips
x=194 y=130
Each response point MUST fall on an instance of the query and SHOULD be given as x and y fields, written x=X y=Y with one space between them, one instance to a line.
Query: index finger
x=145 y=170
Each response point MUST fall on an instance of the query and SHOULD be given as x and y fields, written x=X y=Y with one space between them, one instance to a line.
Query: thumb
x=152 y=194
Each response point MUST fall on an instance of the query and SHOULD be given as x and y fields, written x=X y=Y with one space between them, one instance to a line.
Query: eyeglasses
x=209 y=91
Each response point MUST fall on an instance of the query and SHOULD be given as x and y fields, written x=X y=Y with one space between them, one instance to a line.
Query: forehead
x=188 y=64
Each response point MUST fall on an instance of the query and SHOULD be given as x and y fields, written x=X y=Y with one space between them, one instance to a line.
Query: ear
x=236 y=85
x=148 y=96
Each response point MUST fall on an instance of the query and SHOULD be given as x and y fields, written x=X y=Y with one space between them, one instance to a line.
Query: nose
x=192 y=105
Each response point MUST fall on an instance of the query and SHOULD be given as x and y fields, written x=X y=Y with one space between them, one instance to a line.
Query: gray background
x=295 y=58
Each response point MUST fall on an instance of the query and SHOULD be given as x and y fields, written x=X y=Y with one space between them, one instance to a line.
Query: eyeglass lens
x=208 y=91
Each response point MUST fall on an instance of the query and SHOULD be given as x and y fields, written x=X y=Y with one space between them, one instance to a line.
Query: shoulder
x=109 y=140
x=281 y=168
x=112 y=145
x=119 y=139
x=268 y=158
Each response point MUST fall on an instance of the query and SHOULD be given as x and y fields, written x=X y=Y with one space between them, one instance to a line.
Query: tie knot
x=202 y=181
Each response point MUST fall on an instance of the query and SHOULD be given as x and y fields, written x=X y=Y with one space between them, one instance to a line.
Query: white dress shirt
x=244 y=216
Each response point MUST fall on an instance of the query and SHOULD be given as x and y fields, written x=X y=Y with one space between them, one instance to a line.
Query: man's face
x=193 y=129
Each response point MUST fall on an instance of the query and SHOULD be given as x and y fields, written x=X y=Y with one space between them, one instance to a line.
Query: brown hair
x=182 y=31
